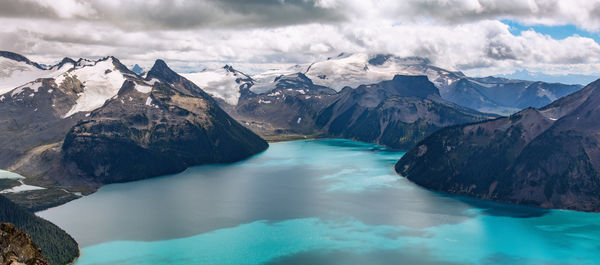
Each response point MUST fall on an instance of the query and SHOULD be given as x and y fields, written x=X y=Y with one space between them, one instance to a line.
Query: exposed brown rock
x=16 y=247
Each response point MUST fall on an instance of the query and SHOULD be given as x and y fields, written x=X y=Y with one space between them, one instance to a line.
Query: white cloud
x=462 y=35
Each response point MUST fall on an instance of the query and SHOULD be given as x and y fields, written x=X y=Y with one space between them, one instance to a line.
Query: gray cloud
x=22 y=8
x=500 y=51
x=177 y=14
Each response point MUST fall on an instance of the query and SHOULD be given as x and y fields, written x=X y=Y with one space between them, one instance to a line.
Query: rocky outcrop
x=56 y=245
x=17 y=248
x=544 y=157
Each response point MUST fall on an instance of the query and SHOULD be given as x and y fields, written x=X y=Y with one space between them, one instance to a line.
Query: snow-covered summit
x=101 y=81
x=361 y=68
x=223 y=83
x=346 y=69
x=16 y=70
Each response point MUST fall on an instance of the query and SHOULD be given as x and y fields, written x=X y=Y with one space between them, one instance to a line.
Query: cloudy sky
x=479 y=37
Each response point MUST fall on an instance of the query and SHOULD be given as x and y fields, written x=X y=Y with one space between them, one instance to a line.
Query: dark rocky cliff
x=546 y=157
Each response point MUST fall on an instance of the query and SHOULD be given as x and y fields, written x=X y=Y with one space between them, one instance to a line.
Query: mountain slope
x=395 y=113
x=57 y=246
x=405 y=106
x=505 y=95
x=151 y=130
x=41 y=111
x=544 y=157
x=36 y=116
x=288 y=108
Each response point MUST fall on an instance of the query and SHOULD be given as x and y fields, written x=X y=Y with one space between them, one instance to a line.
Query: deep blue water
x=315 y=202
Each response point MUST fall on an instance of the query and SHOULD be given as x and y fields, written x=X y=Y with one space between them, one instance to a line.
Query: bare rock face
x=544 y=157
x=16 y=247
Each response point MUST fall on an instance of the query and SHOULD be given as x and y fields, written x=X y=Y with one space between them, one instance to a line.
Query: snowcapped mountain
x=16 y=70
x=97 y=122
x=358 y=69
x=90 y=83
x=155 y=126
x=99 y=81
x=495 y=95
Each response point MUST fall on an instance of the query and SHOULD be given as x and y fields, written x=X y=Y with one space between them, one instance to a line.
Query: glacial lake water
x=315 y=202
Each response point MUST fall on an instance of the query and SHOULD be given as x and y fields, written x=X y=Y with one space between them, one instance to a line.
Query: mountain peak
x=413 y=85
x=161 y=70
x=137 y=69
x=19 y=58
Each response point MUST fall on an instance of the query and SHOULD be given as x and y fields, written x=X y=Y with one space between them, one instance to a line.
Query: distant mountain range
x=491 y=94
x=551 y=78
x=395 y=113
x=547 y=157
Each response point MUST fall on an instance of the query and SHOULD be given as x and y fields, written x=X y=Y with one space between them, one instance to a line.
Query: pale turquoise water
x=315 y=202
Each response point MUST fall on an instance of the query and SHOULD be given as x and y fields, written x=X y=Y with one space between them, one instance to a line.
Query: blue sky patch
x=556 y=32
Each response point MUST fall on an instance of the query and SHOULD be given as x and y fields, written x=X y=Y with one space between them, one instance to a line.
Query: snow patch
x=264 y=101
x=219 y=83
x=101 y=82
x=35 y=86
x=264 y=82
x=9 y=175
x=143 y=88
x=14 y=74
x=21 y=188
x=274 y=94
x=148 y=101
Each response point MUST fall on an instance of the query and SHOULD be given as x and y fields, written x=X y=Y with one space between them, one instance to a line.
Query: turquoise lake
x=315 y=202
